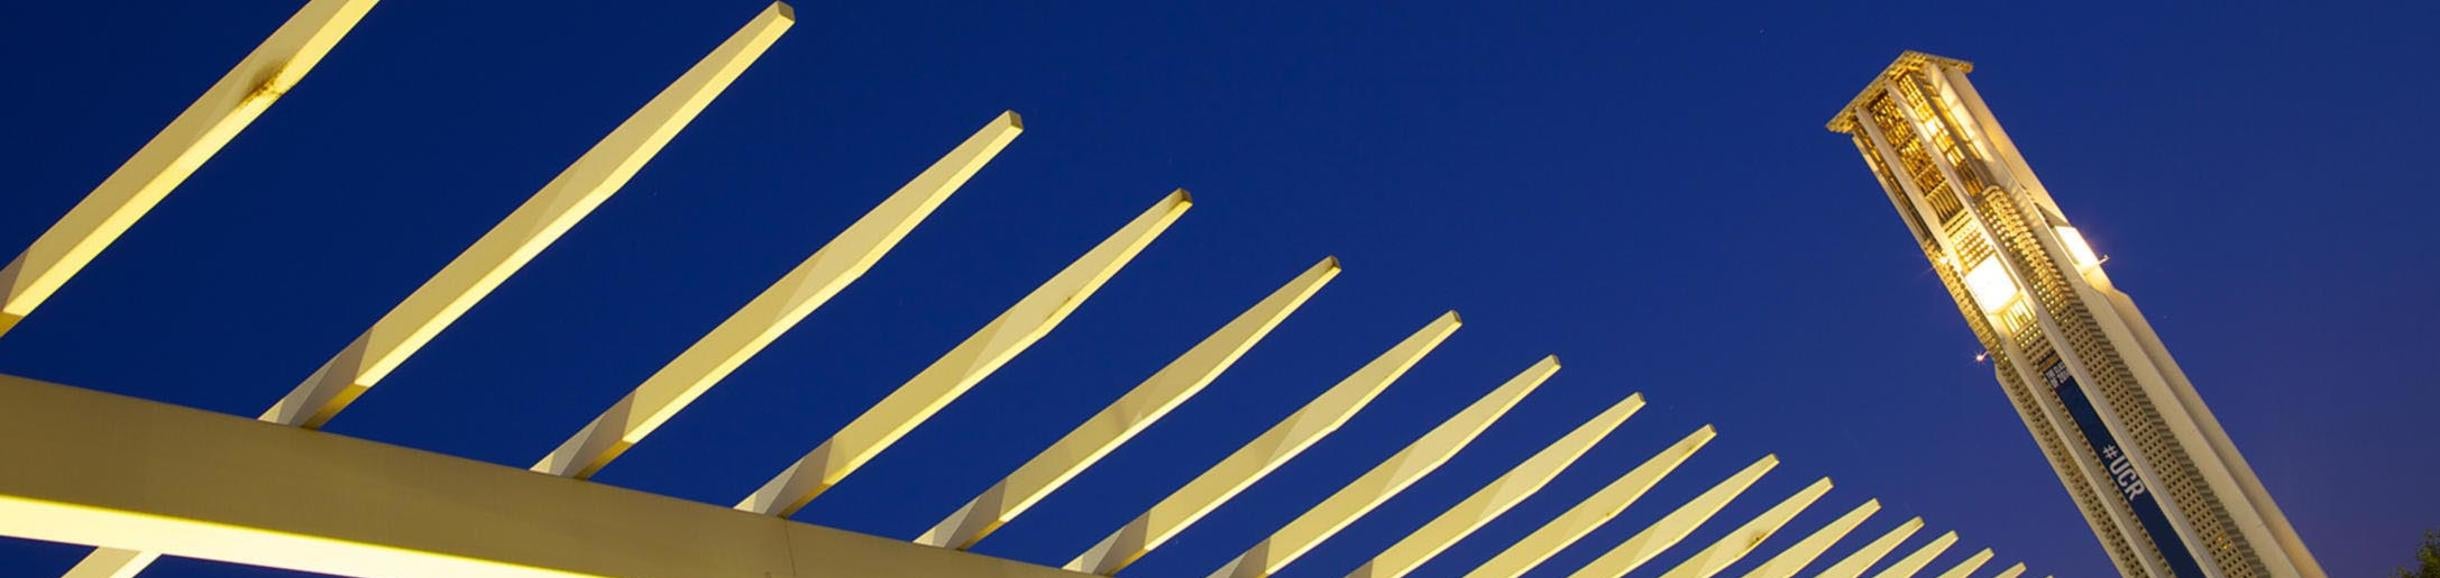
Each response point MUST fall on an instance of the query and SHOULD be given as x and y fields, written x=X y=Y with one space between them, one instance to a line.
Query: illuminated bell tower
x=2159 y=482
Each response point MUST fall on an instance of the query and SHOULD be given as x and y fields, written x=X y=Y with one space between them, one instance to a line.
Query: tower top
x=1907 y=62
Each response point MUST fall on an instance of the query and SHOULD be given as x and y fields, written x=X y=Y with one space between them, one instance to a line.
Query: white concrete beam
x=745 y=333
x=1671 y=528
x=93 y=468
x=1386 y=480
x=1148 y=402
x=163 y=163
x=529 y=229
x=1496 y=498
x=1863 y=558
x=1908 y=566
x=1967 y=567
x=1591 y=513
x=1734 y=546
x=1796 y=557
x=500 y=252
x=1250 y=463
x=962 y=367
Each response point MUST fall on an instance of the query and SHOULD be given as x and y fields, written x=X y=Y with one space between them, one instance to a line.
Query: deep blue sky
x=1645 y=190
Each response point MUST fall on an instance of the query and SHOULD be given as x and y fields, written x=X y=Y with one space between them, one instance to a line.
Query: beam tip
x=785 y=11
x=1181 y=196
x=1012 y=119
x=1451 y=317
x=1331 y=262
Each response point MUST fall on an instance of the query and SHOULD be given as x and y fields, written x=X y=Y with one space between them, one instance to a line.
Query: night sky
x=1646 y=191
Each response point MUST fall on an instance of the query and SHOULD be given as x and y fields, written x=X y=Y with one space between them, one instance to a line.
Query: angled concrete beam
x=94 y=468
x=1671 y=528
x=1863 y=558
x=1734 y=546
x=1497 y=497
x=500 y=252
x=526 y=231
x=745 y=333
x=112 y=563
x=958 y=370
x=1591 y=513
x=1796 y=557
x=1286 y=439
x=165 y=162
x=1967 y=567
x=2012 y=571
x=1393 y=475
x=1907 y=567
x=1130 y=415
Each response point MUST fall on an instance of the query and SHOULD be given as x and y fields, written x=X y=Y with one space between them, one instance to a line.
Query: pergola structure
x=141 y=479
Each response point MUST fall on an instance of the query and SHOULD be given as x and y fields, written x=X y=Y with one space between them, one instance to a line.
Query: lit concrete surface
x=96 y=468
x=1872 y=552
x=532 y=227
x=1387 y=479
x=778 y=308
x=1967 y=567
x=1493 y=499
x=961 y=368
x=1592 y=512
x=1741 y=541
x=171 y=156
x=498 y=254
x=1805 y=551
x=1912 y=564
x=1671 y=528
x=1135 y=411
x=1257 y=458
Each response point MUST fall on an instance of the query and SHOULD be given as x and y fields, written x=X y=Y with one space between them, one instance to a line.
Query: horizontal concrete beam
x=92 y=468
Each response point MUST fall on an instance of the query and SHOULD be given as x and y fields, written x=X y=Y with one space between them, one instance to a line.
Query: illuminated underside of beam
x=958 y=370
x=568 y=198
x=501 y=251
x=745 y=333
x=1872 y=552
x=1286 y=439
x=1497 y=497
x=181 y=147
x=147 y=476
x=1741 y=541
x=1386 y=480
x=1795 y=558
x=1908 y=566
x=1130 y=415
x=1967 y=567
x=1671 y=528
x=112 y=563
x=1591 y=513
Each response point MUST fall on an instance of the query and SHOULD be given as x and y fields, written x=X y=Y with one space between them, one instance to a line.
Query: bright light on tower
x=2076 y=247
x=1990 y=285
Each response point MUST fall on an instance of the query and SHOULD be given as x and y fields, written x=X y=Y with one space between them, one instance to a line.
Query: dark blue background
x=1645 y=190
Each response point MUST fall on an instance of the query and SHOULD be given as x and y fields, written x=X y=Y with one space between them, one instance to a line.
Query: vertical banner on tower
x=2131 y=486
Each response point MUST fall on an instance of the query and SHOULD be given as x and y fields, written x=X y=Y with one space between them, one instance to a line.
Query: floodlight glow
x=2077 y=249
x=1990 y=285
